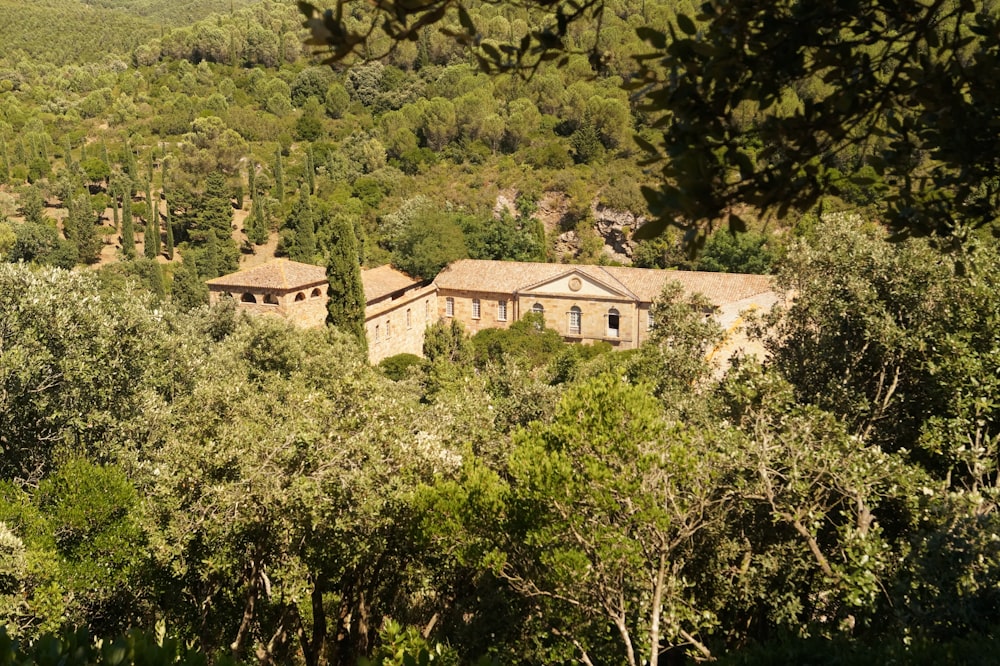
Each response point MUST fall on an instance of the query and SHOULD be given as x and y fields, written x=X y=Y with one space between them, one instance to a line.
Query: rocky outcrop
x=615 y=227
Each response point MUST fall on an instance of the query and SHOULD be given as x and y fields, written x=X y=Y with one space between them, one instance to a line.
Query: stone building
x=397 y=311
x=279 y=288
x=584 y=303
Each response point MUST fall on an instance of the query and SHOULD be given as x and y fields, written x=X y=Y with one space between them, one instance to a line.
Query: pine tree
x=279 y=177
x=346 y=304
x=212 y=228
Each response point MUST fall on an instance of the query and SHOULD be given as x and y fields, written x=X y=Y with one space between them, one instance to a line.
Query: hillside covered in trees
x=234 y=490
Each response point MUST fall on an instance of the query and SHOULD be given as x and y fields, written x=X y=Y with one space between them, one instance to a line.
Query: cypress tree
x=114 y=208
x=128 y=232
x=346 y=305
x=279 y=177
x=131 y=168
x=68 y=154
x=151 y=239
x=256 y=223
x=252 y=181
x=170 y=232
x=188 y=290
x=85 y=236
x=4 y=163
x=310 y=171
x=303 y=221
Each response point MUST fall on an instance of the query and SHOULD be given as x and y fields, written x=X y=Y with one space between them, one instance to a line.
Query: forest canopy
x=896 y=97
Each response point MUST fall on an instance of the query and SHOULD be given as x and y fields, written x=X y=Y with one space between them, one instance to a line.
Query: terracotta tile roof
x=719 y=288
x=384 y=280
x=497 y=276
x=280 y=274
x=644 y=284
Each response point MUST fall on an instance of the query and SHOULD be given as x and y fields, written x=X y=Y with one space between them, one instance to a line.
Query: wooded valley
x=192 y=485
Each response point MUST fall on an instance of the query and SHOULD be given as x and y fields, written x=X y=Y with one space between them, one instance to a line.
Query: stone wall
x=305 y=307
x=397 y=326
x=632 y=326
x=489 y=315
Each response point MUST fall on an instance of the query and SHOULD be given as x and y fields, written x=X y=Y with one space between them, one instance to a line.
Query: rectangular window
x=501 y=310
x=449 y=307
x=649 y=320
x=388 y=329
x=378 y=333
x=574 y=322
x=409 y=319
x=427 y=309
x=475 y=308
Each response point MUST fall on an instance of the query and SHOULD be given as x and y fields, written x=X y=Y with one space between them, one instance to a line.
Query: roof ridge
x=628 y=291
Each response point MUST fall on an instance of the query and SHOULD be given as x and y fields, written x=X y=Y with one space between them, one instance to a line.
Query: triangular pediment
x=576 y=283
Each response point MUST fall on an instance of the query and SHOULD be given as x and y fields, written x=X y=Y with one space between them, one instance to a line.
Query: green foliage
x=747 y=252
x=428 y=243
x=346 y=294
x=527 y=340
x=55 y=370
x=41 y=244
x=503 y=238
x=79 y=648
x=400 y=366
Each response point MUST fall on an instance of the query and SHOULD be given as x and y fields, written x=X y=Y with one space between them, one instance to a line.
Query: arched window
x=378 y=333
x=388 y=329
x=316 y=293
x=248 y=298
x=409 y=319
x=449 y=307
x=614 y=321
x=575 y=320
x=301 y=296
x=270 y=299
x=226 y=294
x=538 y=309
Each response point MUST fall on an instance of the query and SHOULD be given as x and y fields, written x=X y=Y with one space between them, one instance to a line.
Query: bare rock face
x=567 y=245
x=616 y=227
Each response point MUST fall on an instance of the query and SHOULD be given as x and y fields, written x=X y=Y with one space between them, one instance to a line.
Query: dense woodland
x=188 y=483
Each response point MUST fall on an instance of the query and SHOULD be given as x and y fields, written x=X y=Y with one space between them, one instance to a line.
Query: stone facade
x=398 y=310
x=584 y=304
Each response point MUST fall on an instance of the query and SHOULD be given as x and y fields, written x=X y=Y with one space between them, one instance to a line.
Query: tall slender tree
x=128 y=230
x=279 y=177
x=168 y=223
x=346 y=303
